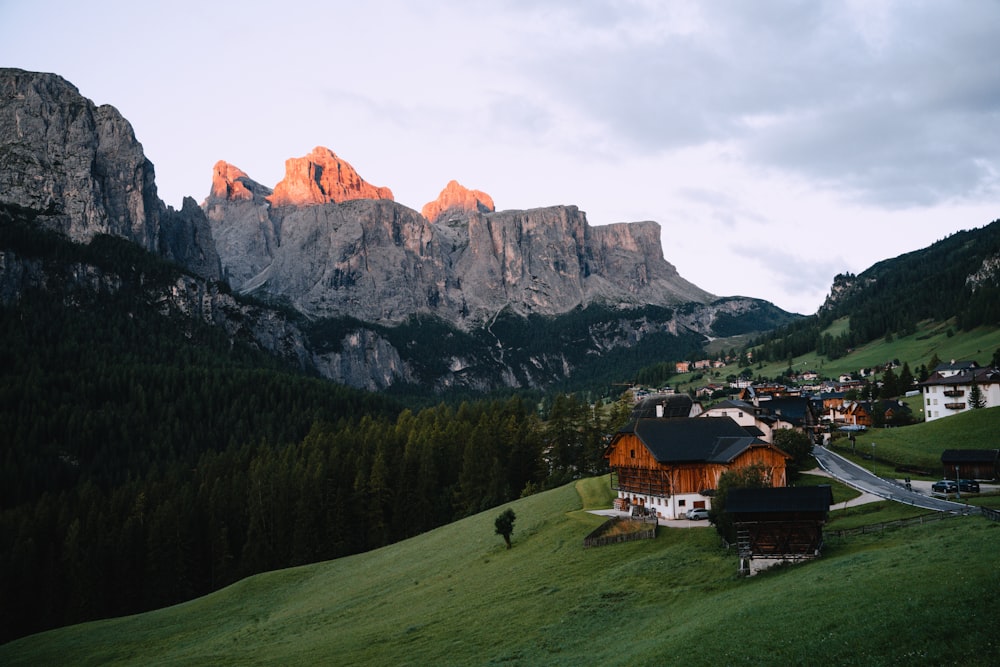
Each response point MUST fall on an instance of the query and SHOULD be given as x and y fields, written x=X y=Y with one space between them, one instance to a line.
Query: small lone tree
x=754 y=476
x=505 y=525
x=799 y=446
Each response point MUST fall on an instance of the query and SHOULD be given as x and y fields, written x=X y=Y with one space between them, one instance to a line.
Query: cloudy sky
x=777 y=143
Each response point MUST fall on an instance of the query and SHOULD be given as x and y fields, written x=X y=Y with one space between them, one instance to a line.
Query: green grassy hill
x=455 y=596
x=921 y=445
x=917 y=349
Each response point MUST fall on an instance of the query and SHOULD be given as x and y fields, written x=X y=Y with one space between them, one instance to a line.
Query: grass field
x=456 y=596
x=922 y=444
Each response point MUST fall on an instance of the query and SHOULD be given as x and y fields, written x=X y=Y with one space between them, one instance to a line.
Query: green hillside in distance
x=456 y=596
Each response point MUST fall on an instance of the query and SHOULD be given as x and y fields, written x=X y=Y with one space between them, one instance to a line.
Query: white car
x=697 y=514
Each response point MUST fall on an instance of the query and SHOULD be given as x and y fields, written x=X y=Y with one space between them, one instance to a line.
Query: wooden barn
x=779 y=524
x=669 y=466
x=971 y=463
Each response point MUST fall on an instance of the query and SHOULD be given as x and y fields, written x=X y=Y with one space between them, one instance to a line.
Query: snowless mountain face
x=335 y=246
x=339 y=246
x=79 y=170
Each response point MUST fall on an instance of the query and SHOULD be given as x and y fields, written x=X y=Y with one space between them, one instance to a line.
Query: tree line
x=147 y=461
x=950 y=279
x=92 y=550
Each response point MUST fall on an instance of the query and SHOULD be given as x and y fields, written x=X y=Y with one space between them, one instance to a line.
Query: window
x=681 y=503
x=632 y=453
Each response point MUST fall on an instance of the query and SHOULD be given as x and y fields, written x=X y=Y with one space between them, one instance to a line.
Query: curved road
x=863 y=480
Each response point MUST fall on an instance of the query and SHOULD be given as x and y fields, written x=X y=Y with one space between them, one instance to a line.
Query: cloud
x=891 y=104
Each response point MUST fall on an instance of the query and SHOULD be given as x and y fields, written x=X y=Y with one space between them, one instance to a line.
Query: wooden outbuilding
x=778 y=524
x=971 y=463
x=670 y=466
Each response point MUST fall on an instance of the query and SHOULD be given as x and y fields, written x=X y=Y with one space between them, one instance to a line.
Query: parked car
x=697 y=514
x=944 y=486
x=968 y=486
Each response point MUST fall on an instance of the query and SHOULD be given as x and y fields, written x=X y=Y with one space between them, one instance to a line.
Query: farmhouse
x=779 y=524
x=671 y=465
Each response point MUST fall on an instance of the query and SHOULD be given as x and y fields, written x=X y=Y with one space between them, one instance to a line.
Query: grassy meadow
x=921 y=445
x=456 y=596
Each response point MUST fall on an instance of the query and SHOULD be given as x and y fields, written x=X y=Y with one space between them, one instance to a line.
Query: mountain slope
x=956 y=279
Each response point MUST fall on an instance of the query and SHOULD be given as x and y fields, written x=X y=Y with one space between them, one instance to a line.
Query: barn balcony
x=641 y=481
x=954 y=393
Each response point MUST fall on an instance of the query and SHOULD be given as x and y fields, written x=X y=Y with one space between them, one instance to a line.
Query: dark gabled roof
x=970 y=456
x=780 y=499
x=792 y=409
x=976 y=375
x=956 y=366
x=694 y=439
x=674 y=406
x=734 y=404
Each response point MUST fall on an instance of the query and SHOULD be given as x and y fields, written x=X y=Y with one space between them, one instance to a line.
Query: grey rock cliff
x=379 y=261
x=79 y=168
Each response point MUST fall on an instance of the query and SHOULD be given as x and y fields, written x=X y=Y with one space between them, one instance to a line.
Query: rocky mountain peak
x=322 y=178
x=232 y=184
x=456 y=199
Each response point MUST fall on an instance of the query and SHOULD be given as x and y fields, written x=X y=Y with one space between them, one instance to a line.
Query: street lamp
x=958 y=486
x=873 y=459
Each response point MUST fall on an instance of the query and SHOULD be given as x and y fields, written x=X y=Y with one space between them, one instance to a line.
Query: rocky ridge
x=463 y=277
x=460 y=260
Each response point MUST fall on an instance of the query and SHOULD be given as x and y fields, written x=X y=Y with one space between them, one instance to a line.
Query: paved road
x=863 y=480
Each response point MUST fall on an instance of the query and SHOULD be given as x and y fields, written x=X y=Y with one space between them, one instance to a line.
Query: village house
x=670 y=465
x=953 y=389
x=773 y=411
x=708 y=390
x=839 y=412
x=744 y=414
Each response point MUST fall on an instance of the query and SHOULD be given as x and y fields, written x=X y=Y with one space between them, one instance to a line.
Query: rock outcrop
x=457 y=201
x=320 y=178
x=239 y=215
x=80 y=170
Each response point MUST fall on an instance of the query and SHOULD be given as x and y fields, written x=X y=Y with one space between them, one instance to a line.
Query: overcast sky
x=777 y=143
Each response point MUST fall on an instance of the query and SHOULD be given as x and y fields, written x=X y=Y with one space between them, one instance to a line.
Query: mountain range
x=330 y=273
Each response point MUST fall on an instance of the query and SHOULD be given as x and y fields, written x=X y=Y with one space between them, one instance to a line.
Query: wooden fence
x=991 y=514
x=597 y=537
x=899 y=523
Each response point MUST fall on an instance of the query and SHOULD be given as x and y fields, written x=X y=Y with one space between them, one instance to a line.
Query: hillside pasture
x=921 y=445
x=456 y=596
